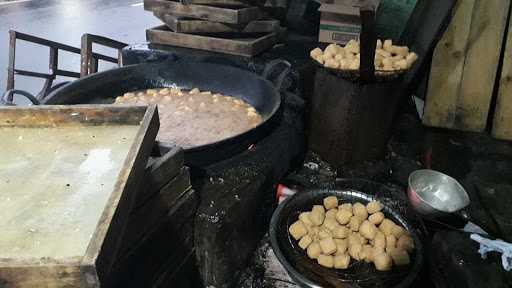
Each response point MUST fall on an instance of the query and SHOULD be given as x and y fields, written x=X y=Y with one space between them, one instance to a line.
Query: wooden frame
x=247 y=47
x=151 y=210
x=89 y=59
x=188 y=25
x=92 y=269
x=232 y=15
x=88 y=62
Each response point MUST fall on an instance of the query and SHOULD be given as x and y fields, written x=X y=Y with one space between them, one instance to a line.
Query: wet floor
x=65 y=21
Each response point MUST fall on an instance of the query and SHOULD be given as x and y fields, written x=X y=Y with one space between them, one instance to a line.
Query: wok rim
x=267 y=121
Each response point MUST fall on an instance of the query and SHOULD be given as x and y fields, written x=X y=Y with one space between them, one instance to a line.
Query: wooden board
x=480 y=68
x=159 y=171
x=446 y=69
x=188 y=25
x=241 y=46
x=170 y=241
x=468 y=109
x=184 y=274
x=218 y=2
x=266 y=3
x=61 y=258
x=144 y=218
x=229 y=14
x=502 y=125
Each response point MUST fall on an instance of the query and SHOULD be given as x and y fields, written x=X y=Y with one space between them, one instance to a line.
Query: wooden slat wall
x=502 y=126
x=485 y=38
x=447 y=67
x=464 y=104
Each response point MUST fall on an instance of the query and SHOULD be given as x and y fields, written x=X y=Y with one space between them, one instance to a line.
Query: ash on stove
x=314 y=173
x=265 y=270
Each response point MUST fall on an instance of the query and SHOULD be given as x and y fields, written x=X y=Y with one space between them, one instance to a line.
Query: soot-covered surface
x=483 y=166
x=237 y=197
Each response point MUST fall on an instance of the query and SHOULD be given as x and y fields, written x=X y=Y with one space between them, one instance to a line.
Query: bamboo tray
x=69 y=176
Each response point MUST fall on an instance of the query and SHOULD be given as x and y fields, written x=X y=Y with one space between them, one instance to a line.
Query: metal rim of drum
x=353 y=75
x=415 y=265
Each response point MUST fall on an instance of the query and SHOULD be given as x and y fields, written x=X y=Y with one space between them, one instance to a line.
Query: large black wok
x=103 y=87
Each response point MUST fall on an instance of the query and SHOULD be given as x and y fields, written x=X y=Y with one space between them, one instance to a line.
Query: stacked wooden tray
x=225 y=26
x=69 y=180
x=94 y=210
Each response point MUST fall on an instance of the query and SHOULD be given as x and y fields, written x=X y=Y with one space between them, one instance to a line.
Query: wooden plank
x=266 y=3
x=502 y=124
x=233 y=15
x=50 y=116
x=172 y=239
x=461 y=86
x=106 y=240
x=188 y=25
x=146 y=217
x=480 y=68
x=55 y=276
x=182 y=179
x=447 y=67
x=181 y=275
x=242 y=46
x=159 y=171
x=218 y=2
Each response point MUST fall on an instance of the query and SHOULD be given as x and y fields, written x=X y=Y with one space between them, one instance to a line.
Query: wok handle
x=285 y=79
x=8 y=97
x=464 y=215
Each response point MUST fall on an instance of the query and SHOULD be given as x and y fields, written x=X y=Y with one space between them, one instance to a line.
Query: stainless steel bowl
x=432 y=193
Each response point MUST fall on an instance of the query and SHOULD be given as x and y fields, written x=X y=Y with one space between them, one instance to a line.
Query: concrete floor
x=65 y=21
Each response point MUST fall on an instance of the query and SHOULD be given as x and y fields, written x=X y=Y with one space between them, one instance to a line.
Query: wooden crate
x=464 y=66
x=243 y=45
x=230 y=14
x=189 y=25
x=185 y=275
x=265 y=3
x=87 y=260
